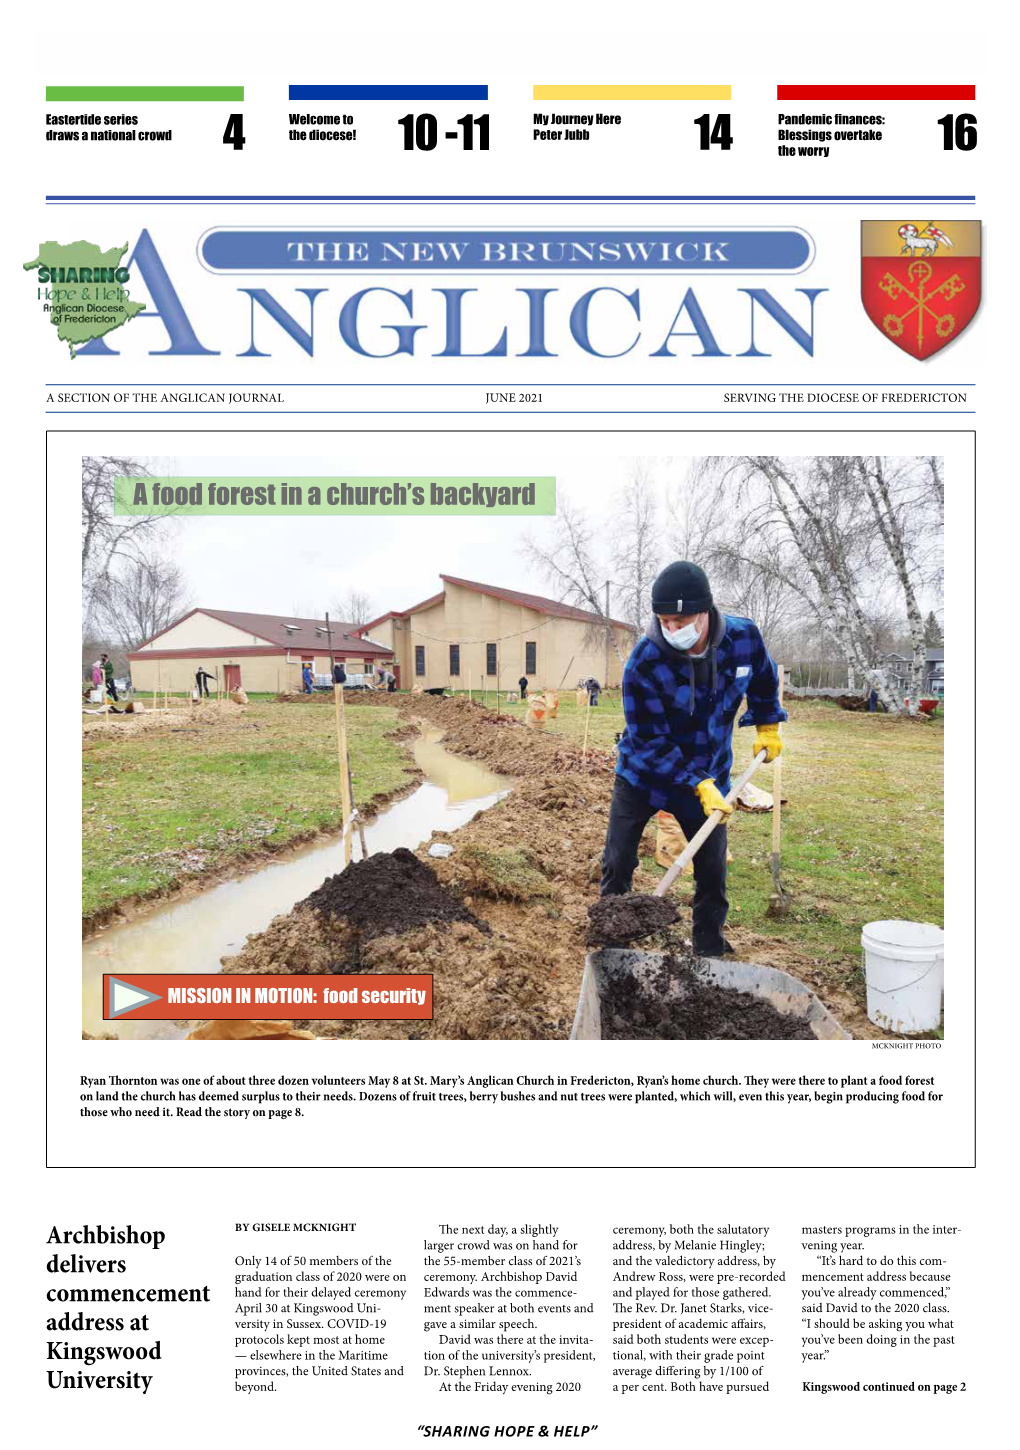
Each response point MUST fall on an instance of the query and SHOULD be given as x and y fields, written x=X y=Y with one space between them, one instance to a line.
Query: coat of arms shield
x=921 y=280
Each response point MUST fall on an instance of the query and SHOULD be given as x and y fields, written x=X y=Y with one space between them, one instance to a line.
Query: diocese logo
x=921 y=281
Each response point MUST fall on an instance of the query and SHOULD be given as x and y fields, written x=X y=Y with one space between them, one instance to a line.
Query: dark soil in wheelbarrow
x=633 y=1010
x=616 y=921
x=388 y=894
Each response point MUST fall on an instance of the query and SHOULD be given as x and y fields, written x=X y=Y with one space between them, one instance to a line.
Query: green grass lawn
x=161 y=806
x=862 y=827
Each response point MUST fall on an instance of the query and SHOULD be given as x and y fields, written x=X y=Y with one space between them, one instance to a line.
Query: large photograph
x=665 y=765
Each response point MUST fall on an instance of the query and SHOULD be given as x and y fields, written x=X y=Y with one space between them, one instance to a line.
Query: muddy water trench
x=193 y=935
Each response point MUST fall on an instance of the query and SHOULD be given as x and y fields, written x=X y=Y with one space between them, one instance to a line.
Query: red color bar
x=876 y=93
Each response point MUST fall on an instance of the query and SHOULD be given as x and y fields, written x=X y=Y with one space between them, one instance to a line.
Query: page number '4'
x=234 y=134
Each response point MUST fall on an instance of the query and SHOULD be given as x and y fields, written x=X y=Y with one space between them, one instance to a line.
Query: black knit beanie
x=681 y=588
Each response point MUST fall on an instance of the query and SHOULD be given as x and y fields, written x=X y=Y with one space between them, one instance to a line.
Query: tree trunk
x=877 y=489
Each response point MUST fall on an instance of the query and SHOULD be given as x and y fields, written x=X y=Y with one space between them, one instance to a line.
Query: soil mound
x=618 y=920
x=388 y=894
x=679 y=1002
x=504 y=743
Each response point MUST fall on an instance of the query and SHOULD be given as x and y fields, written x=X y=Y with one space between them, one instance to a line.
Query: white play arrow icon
x=124 y=997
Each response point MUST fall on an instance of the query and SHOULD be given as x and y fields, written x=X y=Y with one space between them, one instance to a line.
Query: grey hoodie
x=701 y=673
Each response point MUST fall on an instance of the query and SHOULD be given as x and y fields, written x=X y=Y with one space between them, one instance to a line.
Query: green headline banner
x=144 y=93
x=464 y=498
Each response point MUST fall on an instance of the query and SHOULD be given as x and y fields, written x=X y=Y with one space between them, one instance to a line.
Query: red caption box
x=210 y=996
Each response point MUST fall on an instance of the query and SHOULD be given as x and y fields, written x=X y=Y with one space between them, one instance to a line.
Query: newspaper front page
x=535 y=598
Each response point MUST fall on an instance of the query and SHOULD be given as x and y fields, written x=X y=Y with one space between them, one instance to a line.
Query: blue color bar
x=388 y=93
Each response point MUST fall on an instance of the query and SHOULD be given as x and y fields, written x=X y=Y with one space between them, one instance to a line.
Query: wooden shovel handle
x=711 y=821
x=777 y=784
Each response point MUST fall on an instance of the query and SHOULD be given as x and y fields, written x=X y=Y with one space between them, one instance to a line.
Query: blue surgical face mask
x=683 y=638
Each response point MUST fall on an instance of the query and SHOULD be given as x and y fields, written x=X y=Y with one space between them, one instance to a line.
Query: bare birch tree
x=144 y=597
x=890 y=525
x=637 y=546
x=353 y=607
x=568 y=558
x=106 y=538
x=810 y=509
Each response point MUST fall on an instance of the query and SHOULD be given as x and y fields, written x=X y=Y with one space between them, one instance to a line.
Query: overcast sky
x=305 y=565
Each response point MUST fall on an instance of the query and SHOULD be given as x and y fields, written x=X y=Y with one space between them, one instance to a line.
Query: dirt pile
x=485 y=985
x=502 y=742
x=181 y=713
x=386 y=894
x=678 y=1001
x=618 y=920
x=511 y=874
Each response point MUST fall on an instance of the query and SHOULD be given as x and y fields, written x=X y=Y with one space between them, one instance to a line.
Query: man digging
x=682 y=687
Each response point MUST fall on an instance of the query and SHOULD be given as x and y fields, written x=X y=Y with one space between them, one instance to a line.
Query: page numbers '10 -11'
x=421 y=133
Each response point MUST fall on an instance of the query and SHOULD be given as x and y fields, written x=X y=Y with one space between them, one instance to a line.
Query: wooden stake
x=777 y=807
x=587 y=717
x=346 y=793
x=361 y=828
x=345 y=770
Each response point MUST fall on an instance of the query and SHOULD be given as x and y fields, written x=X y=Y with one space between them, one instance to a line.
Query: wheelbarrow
x=785 y=993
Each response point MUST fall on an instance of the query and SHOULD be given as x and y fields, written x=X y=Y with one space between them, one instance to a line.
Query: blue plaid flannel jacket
x=673 y=741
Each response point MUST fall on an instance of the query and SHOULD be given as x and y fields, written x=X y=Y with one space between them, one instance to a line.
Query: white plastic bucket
x=904 y=972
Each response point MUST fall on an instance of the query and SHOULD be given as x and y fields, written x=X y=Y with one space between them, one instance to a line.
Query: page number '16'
x=959 y=133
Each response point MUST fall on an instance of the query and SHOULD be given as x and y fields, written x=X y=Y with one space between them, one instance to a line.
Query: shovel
x=779 y=901
x=697 y=841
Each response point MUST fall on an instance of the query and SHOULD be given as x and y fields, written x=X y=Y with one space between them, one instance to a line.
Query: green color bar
x=462 y=498
x=145 y=93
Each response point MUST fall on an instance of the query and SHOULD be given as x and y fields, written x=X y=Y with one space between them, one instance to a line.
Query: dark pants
x=391 y=687
x=629 y=813
x=524 y=690
x=203 y=685
x=111 y=690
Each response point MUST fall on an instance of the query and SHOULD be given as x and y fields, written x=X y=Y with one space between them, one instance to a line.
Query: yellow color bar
x=631 y=93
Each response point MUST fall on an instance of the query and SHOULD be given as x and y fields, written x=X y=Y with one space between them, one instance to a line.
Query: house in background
x=471 y=634
x=934 y=682
x=255 y=652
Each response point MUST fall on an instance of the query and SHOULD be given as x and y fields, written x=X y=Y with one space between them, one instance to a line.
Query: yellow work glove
x=712 y=798
x=767 y=738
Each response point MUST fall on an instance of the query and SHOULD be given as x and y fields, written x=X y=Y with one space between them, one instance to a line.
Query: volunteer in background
x=593 y=687
x=202 y=678
x=522 y=685
x=339 y=673
x=306 y=679
x=111 y=688
x=682 y=687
